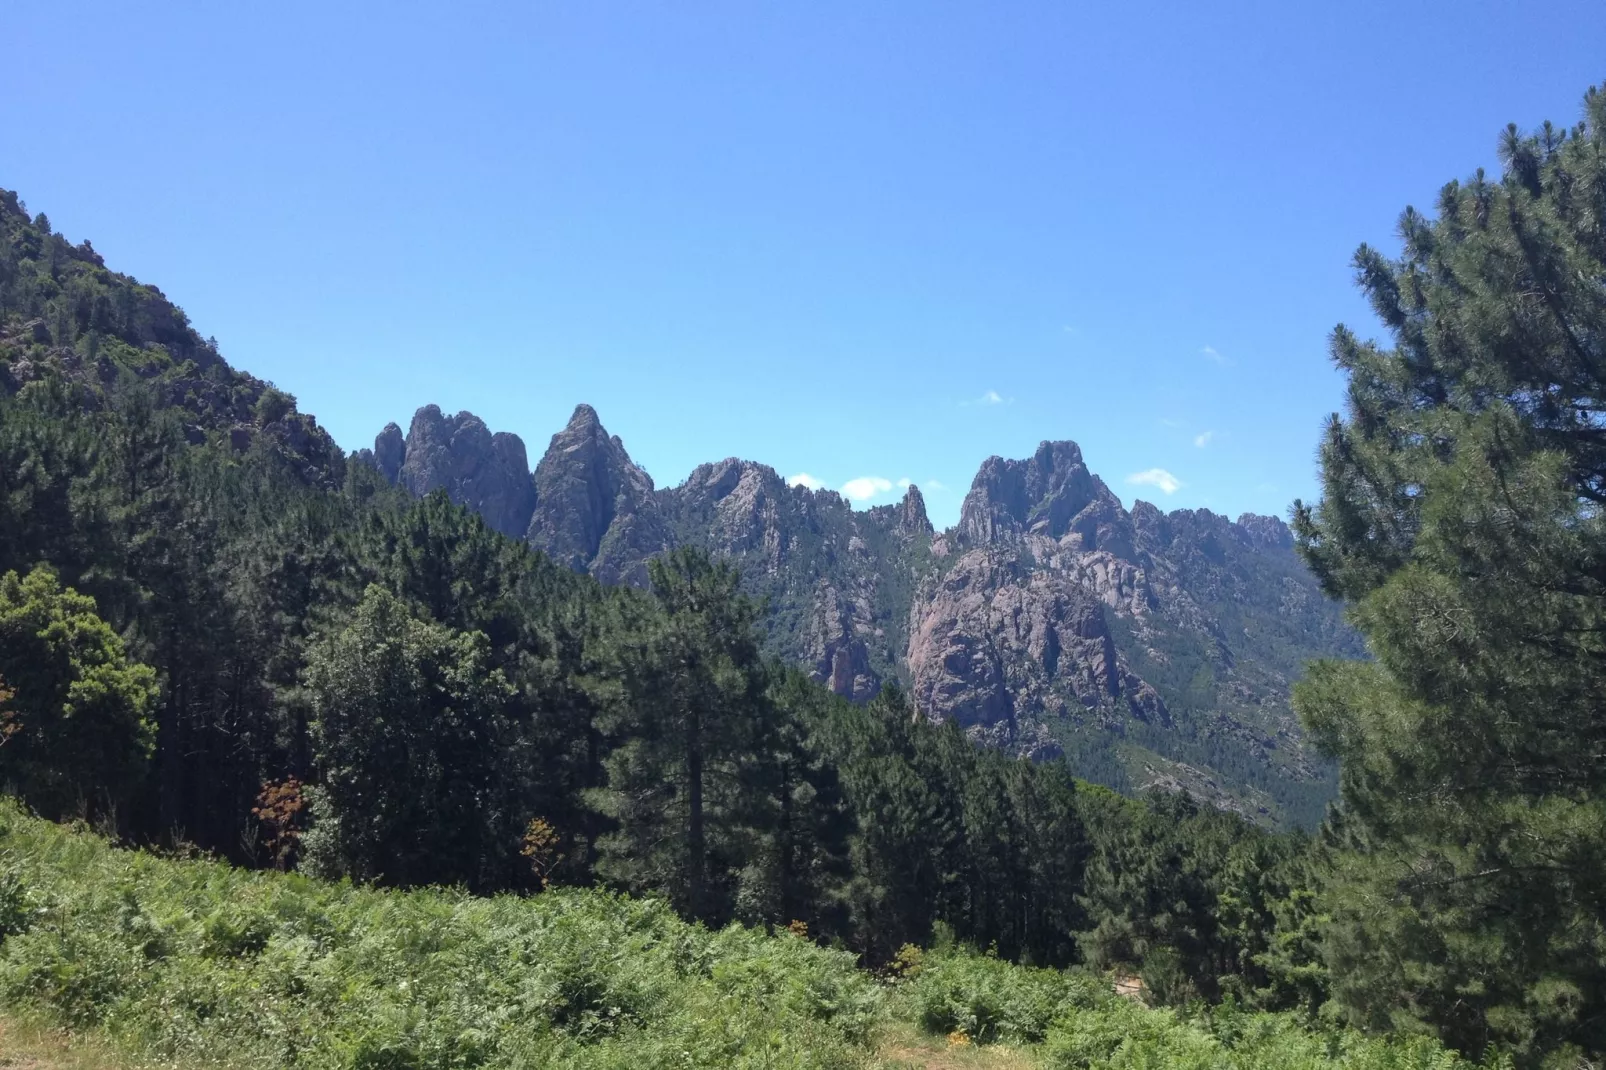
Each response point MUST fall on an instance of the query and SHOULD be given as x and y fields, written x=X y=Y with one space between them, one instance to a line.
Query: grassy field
x=145 y=960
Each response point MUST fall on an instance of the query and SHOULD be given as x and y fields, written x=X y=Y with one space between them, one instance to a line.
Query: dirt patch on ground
x=24 y=1046
x=909 y=1049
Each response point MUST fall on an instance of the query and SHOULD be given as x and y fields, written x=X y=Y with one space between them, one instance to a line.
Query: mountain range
x=1153 y=649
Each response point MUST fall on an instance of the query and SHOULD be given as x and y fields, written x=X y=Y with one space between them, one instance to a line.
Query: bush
x=273 y=406
x=191 y=960
x=988 y=999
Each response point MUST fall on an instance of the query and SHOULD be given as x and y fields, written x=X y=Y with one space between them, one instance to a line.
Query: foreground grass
x=193 y=964
x=25 y=1044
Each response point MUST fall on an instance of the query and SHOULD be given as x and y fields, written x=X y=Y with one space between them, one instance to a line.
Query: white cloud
x=1210 y=351
x=991 y=397
x=1202 y=440
x=932 y=484
x=1167 y=422
x=803 y=479
x=1158 y=478
x=865 y=487
x=905 y=483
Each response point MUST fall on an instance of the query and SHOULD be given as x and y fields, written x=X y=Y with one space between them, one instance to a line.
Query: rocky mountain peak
x=584 y=419
x=595 y=509
x=488 y=473
x=1266 y=532
x=912 y=518
x=1051 y=493
x=390 y=450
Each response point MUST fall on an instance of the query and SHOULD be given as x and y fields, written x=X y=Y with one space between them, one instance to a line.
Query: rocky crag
x=1153 y=649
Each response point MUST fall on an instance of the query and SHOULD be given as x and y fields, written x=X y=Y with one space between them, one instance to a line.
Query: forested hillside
x=217 y=635
x=1152 y=649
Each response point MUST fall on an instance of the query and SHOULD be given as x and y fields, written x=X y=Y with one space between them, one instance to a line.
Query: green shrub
x=273 y=406
x=192 y=960
x=189 y=961
x=16 y=908
x=1124 y=1035
x=988 y=999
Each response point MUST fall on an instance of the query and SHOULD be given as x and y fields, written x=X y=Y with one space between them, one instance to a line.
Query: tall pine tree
x=1462 y=518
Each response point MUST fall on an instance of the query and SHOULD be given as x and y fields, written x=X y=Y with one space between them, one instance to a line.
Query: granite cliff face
x=485 y=472
x=1152 y=649
x=595 y=509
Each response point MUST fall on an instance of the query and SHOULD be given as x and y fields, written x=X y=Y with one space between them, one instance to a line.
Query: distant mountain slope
x=65 y=317
x=1155 y=649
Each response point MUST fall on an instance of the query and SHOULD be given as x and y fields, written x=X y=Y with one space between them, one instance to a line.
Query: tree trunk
x=696 y=845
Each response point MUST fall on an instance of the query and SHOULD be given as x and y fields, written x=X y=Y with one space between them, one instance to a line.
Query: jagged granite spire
x=912 y=518
x=485 y=472
x=390 y=450
x=1051 y=493
x=595 y=509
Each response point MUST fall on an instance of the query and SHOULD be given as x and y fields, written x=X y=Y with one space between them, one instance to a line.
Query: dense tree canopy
x=75 y=737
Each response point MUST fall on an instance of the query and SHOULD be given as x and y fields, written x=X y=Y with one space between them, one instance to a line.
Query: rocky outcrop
x=837 y=654
x=595 y=510
x=1052 y=493
x=390 y=450
x=736 y=507
x=485 y=472
x=912 y=519
x=995 y=644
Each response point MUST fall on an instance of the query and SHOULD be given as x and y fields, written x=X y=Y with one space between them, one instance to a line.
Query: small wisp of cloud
x=865 y=487
x=1203 y=438
x=991 y=397
x=932 y=484
x=1159 y=478
x=1211 y=353
x=803 y=479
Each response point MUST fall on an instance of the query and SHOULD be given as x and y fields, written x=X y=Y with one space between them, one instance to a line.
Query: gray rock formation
x=994 y=643
x=837 y=654
x=390 y=450
x=912 y=519
x=595 y=509
x=488 y=473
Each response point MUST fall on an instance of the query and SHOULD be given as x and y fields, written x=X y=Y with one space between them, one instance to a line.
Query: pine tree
x=1461 y=516
x=684 y=692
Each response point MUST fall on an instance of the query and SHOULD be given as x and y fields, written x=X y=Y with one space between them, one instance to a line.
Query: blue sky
x=868 y=242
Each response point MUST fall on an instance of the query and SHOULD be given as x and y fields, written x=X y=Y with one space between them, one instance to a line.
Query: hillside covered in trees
x=216 y=632
x=1155 y=649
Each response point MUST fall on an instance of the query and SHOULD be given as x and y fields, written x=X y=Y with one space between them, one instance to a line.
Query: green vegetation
x=196 y=963
x=214 y=633
x=1461 y=516
x=73 y=715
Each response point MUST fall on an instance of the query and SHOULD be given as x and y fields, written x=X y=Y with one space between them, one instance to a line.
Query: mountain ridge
x=1037 y=621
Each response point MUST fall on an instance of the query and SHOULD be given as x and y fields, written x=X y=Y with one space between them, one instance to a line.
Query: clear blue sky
x=855 y=240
